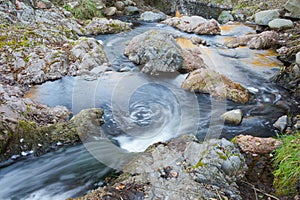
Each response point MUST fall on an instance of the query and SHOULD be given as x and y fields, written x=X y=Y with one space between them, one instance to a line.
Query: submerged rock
x=209 y=81
x=195 y=24
x=264 y=40
x=182 y=168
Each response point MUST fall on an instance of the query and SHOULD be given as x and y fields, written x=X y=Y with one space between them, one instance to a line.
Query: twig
x=258 y=190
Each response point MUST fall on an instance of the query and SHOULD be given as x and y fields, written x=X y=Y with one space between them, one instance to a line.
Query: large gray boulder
x=182 y=168
x=281 y=24
x=293 y=6
x=156 y=51
x=195 y=24
x=264 y=17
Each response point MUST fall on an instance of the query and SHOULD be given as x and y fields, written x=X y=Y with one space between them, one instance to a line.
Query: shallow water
x=142 y=109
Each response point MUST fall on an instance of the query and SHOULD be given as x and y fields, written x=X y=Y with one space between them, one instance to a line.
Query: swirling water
x=140 y=110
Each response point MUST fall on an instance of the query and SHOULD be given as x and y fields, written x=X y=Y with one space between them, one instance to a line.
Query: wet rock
x=195 y=24
x=281 y=123
x=264 y=17
x=131 y=10
x=202 y=170
x=280 y=24
x=152 y=17
x=87 y=123
x=298 y=58
x=219 y=86
x=105 y=26
x=156 y=51
x=110 y=11
x=264 y=40
x=256 y=145
x=225 y=17
x=293 y=6
x=233 y=117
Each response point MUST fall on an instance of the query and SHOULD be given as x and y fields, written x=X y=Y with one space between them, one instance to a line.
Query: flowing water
x=142 y=109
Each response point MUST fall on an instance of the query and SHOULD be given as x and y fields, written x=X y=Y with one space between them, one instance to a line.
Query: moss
x=221 y=155
x=199 y=164
x=287 y=166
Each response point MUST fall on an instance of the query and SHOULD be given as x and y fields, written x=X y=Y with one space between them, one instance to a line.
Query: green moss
x=199 y=164
x=221 y=155
x=287 y=165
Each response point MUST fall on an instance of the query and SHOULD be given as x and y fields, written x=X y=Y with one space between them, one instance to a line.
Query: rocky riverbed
x=41 y=41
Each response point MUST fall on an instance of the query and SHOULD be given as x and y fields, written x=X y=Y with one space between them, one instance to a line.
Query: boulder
x=194 y=24
x=182 y=168
x=225 y=17
x=131 y=10
x=293 y=7
x=110 y=11
x=264 y=40
x=281 y=123
x=105 y=26
x=233 y=117
x=149 y=16
x=281 y=24
x=156 y=51
x=209 y=81
x=256 y=145
x=264 y=17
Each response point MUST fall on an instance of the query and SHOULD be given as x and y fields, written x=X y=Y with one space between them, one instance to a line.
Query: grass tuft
x=287 y=166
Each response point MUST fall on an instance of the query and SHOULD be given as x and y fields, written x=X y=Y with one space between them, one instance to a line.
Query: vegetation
x=287 y=166
x=85 y=10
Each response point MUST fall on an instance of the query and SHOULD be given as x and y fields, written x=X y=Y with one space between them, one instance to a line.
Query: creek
x=141 y=109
